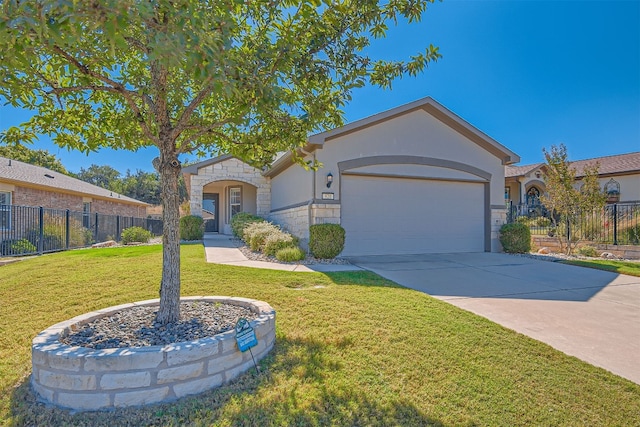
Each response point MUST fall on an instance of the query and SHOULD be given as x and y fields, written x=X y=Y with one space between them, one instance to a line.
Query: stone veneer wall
x=498 y=219
x=85 y=379
x=296 y=220
x=622 y=251
x=231 y=170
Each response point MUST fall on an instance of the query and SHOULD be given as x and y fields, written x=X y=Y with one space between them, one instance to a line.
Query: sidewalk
x=221 y=249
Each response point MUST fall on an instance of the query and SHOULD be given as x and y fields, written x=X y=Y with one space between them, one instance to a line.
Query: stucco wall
x=629 y=186
x=414 y=134
x=291 y=187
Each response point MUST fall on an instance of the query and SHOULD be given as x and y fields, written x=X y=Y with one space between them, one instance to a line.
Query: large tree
x=102 y=176
x=33 y=157
x=249 y=78
x=571 y=202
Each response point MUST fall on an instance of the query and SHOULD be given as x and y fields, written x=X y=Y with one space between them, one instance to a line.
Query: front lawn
x=351 y=349
x=621 y=267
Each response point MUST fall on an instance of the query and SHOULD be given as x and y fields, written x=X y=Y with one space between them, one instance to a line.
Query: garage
x=393 y=215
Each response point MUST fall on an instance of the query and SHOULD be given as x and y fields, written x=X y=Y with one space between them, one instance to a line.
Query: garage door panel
x=406 y=216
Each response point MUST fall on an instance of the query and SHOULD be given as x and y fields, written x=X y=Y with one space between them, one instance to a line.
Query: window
x=507 y=194
x=235 y=201
x=86 y=210
x=5 y=210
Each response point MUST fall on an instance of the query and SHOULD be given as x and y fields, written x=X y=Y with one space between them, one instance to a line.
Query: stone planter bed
x=82 y=378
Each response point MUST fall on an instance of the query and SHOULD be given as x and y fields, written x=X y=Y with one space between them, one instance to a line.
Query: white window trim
x=239 y=188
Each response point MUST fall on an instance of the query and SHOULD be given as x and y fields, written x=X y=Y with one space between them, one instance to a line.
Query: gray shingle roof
x=510 y=171
x=616 y=164
x=23 y=173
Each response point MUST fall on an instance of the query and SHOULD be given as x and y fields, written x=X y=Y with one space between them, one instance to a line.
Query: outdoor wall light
x=329 y=179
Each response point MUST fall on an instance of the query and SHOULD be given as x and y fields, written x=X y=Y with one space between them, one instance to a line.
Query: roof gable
x=430 y=106
x=18 y=172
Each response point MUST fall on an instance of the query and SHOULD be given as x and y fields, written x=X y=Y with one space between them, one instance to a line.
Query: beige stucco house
x=619 y=177
x=414 y=179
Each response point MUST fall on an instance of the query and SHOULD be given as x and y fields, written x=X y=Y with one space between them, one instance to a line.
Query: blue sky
x=527 y=73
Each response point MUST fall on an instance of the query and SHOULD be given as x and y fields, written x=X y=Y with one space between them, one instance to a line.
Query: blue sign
x=245 y=335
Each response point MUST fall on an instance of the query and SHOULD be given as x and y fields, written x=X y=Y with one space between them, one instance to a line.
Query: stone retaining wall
x=85 y=379
x=622 y=251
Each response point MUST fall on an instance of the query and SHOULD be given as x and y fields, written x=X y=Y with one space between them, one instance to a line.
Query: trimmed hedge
x=241 y=220
x=326 y=240
x=135 y=234
x=515 y=238
x=191 y=227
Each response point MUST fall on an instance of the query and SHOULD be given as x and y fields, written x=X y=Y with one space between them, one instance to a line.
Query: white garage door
x=411 y=216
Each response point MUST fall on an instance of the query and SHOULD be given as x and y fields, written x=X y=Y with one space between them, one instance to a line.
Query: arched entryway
x=533 y=196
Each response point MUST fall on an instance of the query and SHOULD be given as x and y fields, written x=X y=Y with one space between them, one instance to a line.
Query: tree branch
x=117 y=88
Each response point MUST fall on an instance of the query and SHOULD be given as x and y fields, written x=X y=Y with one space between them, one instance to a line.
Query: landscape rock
x=544 y=251
x=608 y=255
x=107 y=244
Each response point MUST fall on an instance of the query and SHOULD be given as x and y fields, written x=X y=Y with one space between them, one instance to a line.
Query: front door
x=210 y=212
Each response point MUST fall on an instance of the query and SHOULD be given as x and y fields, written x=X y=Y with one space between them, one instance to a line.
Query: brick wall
x=24 y=196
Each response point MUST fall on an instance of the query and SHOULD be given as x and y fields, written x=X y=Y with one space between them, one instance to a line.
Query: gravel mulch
x=135 y=327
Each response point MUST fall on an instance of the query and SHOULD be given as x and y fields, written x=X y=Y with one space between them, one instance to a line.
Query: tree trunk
x=169 y=312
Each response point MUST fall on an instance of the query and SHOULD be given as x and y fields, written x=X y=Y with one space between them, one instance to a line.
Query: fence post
x=41 y=230
x=615 y=223
x=95 y=236
x=67 y=234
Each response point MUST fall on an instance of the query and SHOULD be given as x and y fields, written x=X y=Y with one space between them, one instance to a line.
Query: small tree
x=568 y=203
x=248 y=78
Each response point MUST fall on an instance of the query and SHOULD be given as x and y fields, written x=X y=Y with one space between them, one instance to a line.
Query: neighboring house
x=619 y=177
x=414 y=179
x=22 y=184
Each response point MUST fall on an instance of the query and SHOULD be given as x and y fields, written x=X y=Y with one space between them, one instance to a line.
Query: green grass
x=621 y=267
x=351 y=349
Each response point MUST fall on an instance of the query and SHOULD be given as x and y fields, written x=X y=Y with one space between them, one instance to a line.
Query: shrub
x=543 y=222
x=256 y=233
x=241 y=220
x=17 y=247
x=515 y=238
x=290 y=254
x=191 y=227
x=631 y=235
x=326 y=240
x=54 y=233
x=135 y=234
x=587 y=250
x=276 y=241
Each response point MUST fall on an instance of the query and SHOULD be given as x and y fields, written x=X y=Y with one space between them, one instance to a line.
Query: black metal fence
x=616 y=224
x=26 y=230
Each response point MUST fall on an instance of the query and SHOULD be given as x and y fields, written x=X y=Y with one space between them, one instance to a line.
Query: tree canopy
x=33 y=157
x=248 y=78
x=568 y=200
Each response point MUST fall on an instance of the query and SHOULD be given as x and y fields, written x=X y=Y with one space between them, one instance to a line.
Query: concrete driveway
x=590 y=314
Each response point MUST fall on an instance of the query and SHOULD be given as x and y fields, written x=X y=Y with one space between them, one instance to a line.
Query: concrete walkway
x=223 y=249
x=593 y=315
